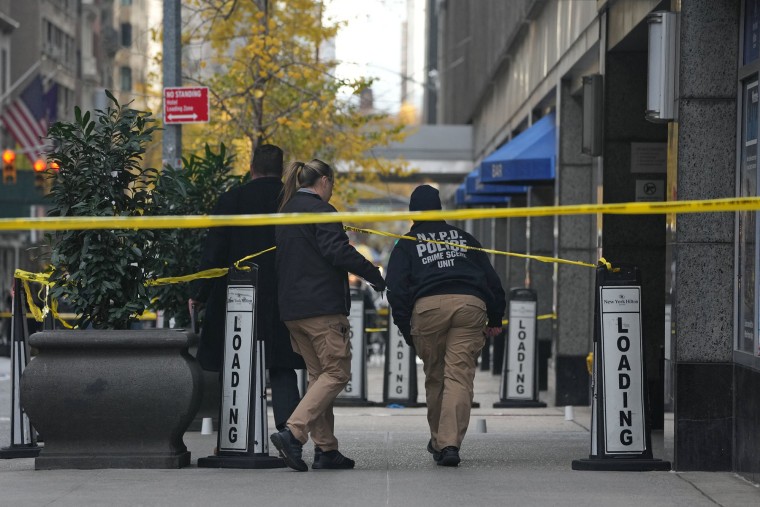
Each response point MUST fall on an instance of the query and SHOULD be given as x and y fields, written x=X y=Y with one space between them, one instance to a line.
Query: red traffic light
x=39 y=165
x=9 y=156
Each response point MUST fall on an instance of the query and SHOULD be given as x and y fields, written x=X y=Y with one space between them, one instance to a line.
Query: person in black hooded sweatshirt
x=445 y=299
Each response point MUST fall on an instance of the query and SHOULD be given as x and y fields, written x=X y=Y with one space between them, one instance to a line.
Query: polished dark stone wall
x=573 y=381
x=747 y=437
x=704 y=421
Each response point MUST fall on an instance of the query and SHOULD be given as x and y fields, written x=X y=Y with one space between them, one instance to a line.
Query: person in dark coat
x=225 y=245
x=313 y=262
x=445 y=299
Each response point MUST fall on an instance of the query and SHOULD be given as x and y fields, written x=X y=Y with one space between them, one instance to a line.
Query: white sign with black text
x=236 y=377
x=521 y=350
x=623 y=375
x=355 y=386
x=397 y=370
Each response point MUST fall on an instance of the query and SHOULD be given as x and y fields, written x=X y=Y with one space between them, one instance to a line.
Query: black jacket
x=225 y=245
x=417 y=269
x=313 y=261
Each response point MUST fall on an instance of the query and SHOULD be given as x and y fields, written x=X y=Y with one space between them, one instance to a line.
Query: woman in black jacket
x=313 y=262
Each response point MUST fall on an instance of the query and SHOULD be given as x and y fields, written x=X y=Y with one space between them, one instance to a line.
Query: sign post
x=620 y=432
x=519 y=373
x=185 y=104
x=242 y=440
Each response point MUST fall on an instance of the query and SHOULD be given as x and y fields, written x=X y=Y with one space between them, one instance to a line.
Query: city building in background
x=55 y=55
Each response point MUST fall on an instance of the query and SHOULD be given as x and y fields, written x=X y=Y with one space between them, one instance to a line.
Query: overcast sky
x=370 y=45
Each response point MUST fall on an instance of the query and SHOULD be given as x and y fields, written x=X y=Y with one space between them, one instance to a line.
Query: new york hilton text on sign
x=187 y=104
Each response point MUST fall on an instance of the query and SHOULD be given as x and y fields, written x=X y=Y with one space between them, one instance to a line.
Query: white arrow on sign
x=193 y=116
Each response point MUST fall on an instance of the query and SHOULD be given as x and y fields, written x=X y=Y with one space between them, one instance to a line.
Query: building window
x=125 y=78
x=126 y=2
x=3 y=71
x=748 y=258
x=126 y=35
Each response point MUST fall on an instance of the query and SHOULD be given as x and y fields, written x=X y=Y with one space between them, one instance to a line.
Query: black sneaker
x=437 y=455
x=317 y=455
x=290 y=448
x=449 y=457
x=331 y=460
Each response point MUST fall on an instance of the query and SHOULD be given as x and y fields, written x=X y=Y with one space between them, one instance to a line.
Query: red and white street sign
x=186 y=104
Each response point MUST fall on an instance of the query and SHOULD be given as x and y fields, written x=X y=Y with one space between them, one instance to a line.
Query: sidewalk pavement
x=523 y=459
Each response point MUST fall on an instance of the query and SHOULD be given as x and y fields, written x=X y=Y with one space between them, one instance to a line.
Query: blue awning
x=473 y=185
x=528 y=158
x=462 y=198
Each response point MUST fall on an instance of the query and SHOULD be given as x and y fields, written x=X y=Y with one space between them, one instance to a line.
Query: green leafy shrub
x=101 y=273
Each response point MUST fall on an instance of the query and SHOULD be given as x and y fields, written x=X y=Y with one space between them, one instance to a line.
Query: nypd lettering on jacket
x=444 y=260
x=442 y=254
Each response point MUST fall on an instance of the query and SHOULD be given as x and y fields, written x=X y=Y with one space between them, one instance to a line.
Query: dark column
x=703 y=306
x=517 y=244
x=577 y=241
x=630 y=239
x=542 y=274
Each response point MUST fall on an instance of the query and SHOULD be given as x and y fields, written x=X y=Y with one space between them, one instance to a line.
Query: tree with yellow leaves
x=270 y=82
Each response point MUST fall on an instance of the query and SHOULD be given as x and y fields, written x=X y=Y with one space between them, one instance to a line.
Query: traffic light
x=9 y=167
x=39 y=173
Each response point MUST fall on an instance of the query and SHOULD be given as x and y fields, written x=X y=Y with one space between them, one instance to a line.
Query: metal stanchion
x=23 y=442
x=519 y=373
x=620 y=432
x=242 y=441
x=400 y=386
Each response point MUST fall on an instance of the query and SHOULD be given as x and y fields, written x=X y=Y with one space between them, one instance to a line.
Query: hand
x=380 y=287
x=494 y=331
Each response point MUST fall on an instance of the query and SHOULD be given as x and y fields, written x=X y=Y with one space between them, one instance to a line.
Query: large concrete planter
x=112 y=399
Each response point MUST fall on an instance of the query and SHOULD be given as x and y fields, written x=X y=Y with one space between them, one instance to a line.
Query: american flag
x=27 y=118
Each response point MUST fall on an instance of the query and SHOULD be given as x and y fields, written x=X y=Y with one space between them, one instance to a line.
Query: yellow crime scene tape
x=205 y=221
x=540 y=258
x=43 y=278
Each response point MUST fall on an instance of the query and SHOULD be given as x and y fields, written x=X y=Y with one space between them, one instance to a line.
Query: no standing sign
x=187 y=104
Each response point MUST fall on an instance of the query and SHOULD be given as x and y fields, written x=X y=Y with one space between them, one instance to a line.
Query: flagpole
x=172 y=67
x=20 y=81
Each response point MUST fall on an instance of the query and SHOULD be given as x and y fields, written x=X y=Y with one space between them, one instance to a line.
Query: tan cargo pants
x=324 y=344
x=448 y=334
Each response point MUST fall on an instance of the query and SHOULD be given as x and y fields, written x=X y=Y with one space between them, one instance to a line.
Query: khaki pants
x=324 y=344
x=448 y=334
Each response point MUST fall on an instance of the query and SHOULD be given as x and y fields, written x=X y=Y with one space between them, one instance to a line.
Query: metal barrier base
x=519 y=404
x=20 y=451
x=621 y=464
x=348 y=402
x=250 y=462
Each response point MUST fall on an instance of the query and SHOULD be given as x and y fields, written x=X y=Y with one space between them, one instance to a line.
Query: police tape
x=204 y=221
x=38 y=313
x=546 y=316
x=540 y=258
x=44 y=278
x=74 y=316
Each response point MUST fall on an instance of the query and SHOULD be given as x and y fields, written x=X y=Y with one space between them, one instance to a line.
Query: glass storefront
x=748 y=255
